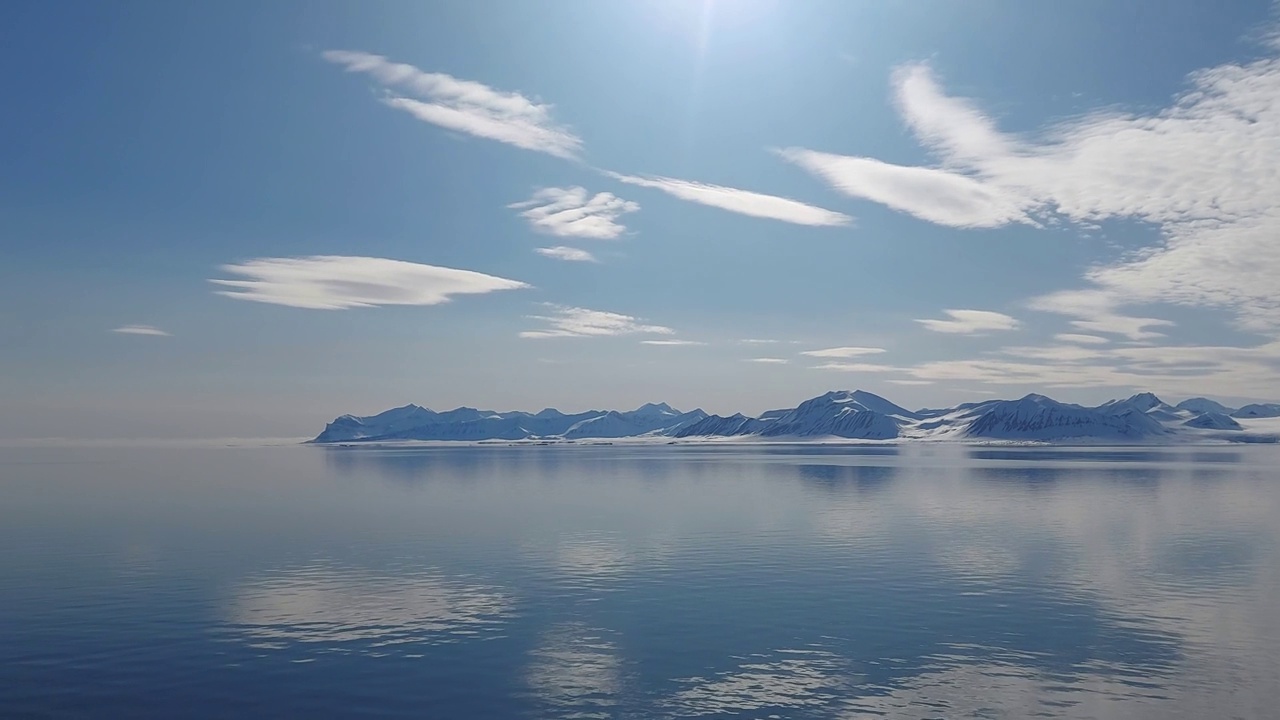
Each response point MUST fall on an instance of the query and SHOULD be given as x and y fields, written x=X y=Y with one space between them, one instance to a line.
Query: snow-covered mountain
x=1258 y=410
x=1213 y=421
x=1204 y=405
x=842 y=414
x=1036 y=417
x=1147 y=404
x=412 y=422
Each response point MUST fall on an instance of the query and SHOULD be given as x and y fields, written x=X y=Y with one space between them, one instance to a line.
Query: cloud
x=855 y=367
x=572 y=212
x=910 y=382
x=671 y=342
x=1081 y=339
x=335 y=282
x=937 y=196
x=970 y=321
x=1056 y=353
x=465 y=106
x=743 y=202
x=758 y=341
x=1201 y=170
x=140 y=330
x=1173 y=369
x=580 y=322
x=843 y=352
x=561 y=252
x=767 y=360
x=1095 y=311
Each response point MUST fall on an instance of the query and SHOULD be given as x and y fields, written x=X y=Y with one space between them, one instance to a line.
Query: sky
x=242 y=219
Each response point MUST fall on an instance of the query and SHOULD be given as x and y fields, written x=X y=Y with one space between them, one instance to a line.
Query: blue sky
x=242 y=219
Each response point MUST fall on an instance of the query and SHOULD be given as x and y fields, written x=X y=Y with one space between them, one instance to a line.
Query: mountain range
x=837 y=415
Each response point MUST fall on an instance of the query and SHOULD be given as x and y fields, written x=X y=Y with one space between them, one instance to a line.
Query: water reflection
x=1105 y=455
x=783 y=681
x=648 y=582
x=840 y=478
x=577 y=668
x=363 y=611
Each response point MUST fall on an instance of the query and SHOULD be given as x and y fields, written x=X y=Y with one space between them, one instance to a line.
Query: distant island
x=836 y=416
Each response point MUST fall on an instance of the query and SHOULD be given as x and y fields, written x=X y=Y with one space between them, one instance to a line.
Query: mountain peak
x=1145 y=401
x=1037 y=398
x=657 y=407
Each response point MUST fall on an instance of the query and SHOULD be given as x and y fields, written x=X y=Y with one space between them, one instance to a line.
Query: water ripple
x=361 y=610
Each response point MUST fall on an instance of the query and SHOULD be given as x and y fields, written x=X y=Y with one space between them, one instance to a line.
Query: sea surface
x=639 y=582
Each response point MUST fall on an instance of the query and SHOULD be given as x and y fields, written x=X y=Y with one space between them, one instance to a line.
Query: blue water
x=625 y=582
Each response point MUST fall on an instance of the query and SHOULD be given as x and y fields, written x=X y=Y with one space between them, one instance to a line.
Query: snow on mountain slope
x=1204 y=405
x=1149 y=404
x=681 y=422
x=610 y=425
x=720 y=426
x=350 y=427
x=1036 y=417
x=652 y=414
x=412 y=422
x=1258 y=410
x=839 y=414
x=1213 y=421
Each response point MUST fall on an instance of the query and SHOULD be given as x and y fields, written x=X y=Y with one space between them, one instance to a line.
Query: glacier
x=839 y=415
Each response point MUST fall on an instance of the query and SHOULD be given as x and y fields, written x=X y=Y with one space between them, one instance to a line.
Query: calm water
x=656 y=582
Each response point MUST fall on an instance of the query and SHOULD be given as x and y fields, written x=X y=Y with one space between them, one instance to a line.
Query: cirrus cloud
x=565 y=321
x=671 y=343
x=968 y=322
x=141 y=330
x=569 y=254
x=935 y=195
x=1201 y=169
x=337 y=282
x=843 y=352
x=855 y=367
x=573 y=212
x=743 y=202
x=465 y=106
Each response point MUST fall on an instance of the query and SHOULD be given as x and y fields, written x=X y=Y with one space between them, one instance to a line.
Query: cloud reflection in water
x=321 y=603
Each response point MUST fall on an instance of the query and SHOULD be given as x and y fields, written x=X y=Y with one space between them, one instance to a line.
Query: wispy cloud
x=855 y=367
x=140 y=330
x=1177 y=369
x=758 y=341
x=843 y=352
x=910 y=382
x=672 y=343
x=335 y=282
x=1080 y=339
x=561 y=252
x=573 y=212
x=970 y=321
x=567 y=321
x=743 y=202
x=1095 y=311
x=934 y=195
x=1201 y=169
x=767 y=360
x=1056 y=353
x=465 y=106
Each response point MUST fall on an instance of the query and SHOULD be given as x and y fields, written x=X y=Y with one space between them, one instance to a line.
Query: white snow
x=840 y=416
